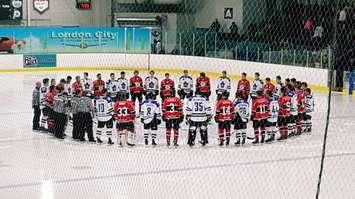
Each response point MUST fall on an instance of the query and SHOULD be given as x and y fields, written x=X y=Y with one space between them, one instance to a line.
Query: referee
x=60 y=117
x=85 y=111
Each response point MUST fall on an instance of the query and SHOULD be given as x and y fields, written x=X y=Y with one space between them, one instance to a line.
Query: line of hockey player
x=284 y=108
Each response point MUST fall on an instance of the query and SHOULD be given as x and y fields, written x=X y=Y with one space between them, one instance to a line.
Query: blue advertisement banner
x=75 y=39
x=38 y=61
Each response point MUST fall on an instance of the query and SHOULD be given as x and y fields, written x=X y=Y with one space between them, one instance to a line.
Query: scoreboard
x=83 y=4
x=11 y=10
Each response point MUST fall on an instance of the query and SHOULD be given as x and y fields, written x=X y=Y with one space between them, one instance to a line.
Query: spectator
x=215 y=26
x=317 y=38
x=309 y=27
x=234 y=28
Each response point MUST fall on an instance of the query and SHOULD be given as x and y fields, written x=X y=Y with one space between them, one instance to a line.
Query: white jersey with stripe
x=257 y=85
x=278 y=90
x=103 y=108
x=151 y=84
x=87 y=85
x=150 y=109
x=294 y=105
x=309 y=104
x=186 y=83
x=274 y=109
x=123 y=85
x=223 y=84
x=198 y=109
x=112 y=87
x=242 y=109
x=68 y=89
x=42 y=96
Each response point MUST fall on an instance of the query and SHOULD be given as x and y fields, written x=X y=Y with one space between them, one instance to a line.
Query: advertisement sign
x=41 y=5
x=38 y=60
x=11 y=10
x=77 y=39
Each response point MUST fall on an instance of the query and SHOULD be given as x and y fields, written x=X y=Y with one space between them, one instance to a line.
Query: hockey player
x=301 y=108
x=99 y=85
x=53 y=82
x=150 y=115
x=203 y=85
x=104 y=115
x=43 y=93
x=223 y=85
x=278 y=86
x=268 y=86
x=87 y=84
x=49 y=103
x=243 y=87
x=274 y=109
x=284 y=113
x=185 y=86
x=198 y=115
x=309 y=108
x=123 y=85
x=293 y=110
x=257 y=86
x=167 y=86
x=151 y=84
x=224 y=116
x=77 y=84
x=136 y=88
x=260 y=113
x=241 y=118
x=68 y=87
x=124 y=114
x=172 y=116
x=112 y=87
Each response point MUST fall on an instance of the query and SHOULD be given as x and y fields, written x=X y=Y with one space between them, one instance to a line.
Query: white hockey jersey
x=68 y=89
x=103 y=108
x=150 y=109
x=293 y=105
x=185 y=83
x=198 y=109
x=309 y=104
x=223 y=84
x=42 y=96
x=274 y=109
x=123 y=85
x=242 y=109
x=257 y=85
x=87 y=85
x=278 y=90
x=151 y=84
x=112 y=87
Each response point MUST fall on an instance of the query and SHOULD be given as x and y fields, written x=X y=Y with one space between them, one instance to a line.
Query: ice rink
x=36 y=165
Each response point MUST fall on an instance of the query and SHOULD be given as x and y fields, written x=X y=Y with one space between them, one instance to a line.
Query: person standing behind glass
x=86 y=111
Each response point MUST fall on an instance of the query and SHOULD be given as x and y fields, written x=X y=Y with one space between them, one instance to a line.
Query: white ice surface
x=35 y=165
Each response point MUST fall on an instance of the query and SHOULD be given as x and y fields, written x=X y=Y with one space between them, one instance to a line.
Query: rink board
x=316 y=78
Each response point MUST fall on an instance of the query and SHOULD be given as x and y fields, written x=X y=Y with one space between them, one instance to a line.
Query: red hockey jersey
x=166 y=86
x=269 y=87
x=300 y=101
x=136 y=84
x=243 y=87
x=224 y=110
x=260 y=108
x=203 y=84
x=99 y=85
x=172 y=108
x=77 y=86
x=284 y=104
x=50 y=99
x=124 y=111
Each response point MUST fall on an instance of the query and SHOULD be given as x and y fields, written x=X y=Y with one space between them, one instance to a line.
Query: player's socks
x=168 y=135
x=237 y=137
x=244 y=136
x=176 y=136
x=262 y=135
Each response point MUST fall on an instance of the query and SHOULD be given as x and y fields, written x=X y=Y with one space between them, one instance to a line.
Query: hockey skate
x=153 y=143
x=146 y=142
x=237 y=142
x=271 y=139
x=98 y=140
x=110 y=141
x=256 y=141
x=227 y=141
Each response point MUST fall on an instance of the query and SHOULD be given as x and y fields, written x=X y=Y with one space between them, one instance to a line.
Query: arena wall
x=317 y=78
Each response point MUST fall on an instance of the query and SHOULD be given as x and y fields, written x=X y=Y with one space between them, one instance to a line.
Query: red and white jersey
x=203 y=84
x=136 y=84
x=244 y=87
x=77 y=86
x=43 y=91
x=172 y=108
x=50 y=99
x=225 y=110
x=300 y=101
x=260 y=108
x=166 y=86
x=284 y=104
x=269 y=87
x=124 y=111
x=99 y=85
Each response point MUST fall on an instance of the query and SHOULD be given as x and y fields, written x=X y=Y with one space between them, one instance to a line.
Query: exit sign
x=83 y=4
